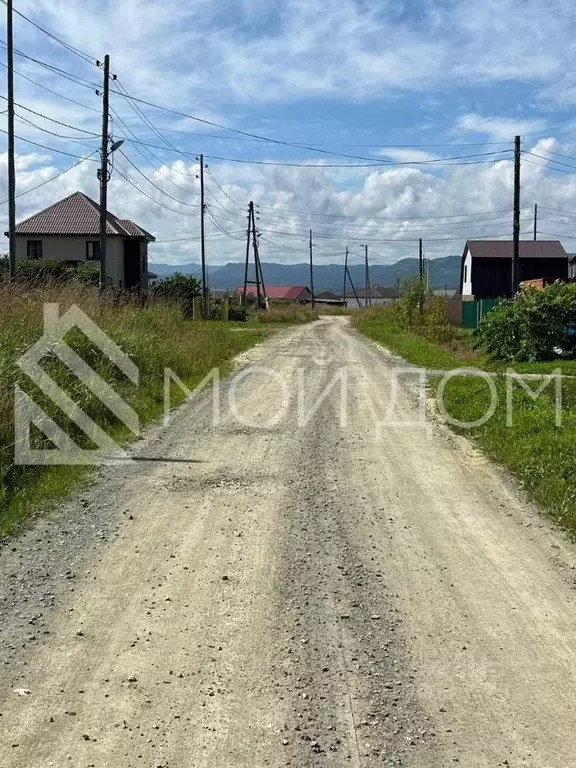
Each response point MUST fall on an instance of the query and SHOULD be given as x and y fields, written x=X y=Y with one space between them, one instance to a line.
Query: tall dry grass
x=156 y=336
x=288 y=313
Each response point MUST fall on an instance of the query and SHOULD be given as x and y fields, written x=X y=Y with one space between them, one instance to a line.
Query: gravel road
x=263 y=592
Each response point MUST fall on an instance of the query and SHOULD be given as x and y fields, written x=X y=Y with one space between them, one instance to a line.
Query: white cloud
x=406 y=155
x=500 y=128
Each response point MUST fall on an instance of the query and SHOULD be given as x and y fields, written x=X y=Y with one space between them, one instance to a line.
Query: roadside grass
x=155 y=336
x=458 y=353
x=288 y=313
x=411 y=346
x=540 y=454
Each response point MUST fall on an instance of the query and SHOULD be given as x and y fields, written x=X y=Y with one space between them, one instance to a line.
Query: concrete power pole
x=11 y=150
x=516 y=236
x=103 y=174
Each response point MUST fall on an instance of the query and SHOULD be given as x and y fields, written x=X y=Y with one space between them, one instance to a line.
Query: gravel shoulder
x=261 y=592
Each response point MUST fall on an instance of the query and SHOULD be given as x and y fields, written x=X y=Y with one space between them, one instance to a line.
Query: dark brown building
x=486 y=271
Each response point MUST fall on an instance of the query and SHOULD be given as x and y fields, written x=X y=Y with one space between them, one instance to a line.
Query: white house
x=69 y=231
x=378 y=296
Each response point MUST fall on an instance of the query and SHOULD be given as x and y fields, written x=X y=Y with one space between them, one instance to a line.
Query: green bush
x=87 y=273
x=532 y=327
x=43 y=270
x=177 y=288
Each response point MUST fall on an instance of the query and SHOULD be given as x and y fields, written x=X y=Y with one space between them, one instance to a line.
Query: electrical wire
x=86 y=56
x=180 y=202
x=43 y=146
x=121 y=171
x=52 y=178
x=51 y=119
x=49 y=90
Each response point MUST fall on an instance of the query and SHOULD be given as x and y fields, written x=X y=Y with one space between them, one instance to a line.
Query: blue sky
x=348 y=76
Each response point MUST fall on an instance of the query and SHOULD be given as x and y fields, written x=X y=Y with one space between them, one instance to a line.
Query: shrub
x=534 y=326
x=87 y=273
x=177 y=288
x=43 y=270
x=288 y=313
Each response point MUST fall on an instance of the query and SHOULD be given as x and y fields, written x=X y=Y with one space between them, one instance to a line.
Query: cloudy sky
x=363 y=99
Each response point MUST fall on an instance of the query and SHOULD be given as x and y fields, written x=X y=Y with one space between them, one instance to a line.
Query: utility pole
x=311 y=272
x=345 y=275
x=535 y=221
x=203 y=242
x=368 y=299
x=248 y=232
x=516 y=231
x=421 y=272
x=103 y=174
x=11 y=150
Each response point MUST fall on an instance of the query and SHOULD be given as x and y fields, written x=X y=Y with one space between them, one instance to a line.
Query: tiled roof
x=529 y=249
x=77 y=214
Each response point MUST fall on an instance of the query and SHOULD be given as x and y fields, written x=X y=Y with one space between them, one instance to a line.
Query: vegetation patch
x=156 y=336
x=540 y=453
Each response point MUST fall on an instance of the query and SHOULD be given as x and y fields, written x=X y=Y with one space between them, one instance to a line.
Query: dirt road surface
x=253 y=594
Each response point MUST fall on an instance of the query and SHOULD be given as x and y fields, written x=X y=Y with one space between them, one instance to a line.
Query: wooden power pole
x=516 y=231
x=311 y=272
x=421 y=272
x=368 y=297
x=203 y=242
x=345 y=276
x=103 y=174
x=11 y=149
x=535 y=221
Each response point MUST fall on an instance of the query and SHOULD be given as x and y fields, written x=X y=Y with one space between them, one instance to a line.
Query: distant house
x=486 y=268
x=298 y=294
x=329 y=299
x=378 y=296
x=69 y=231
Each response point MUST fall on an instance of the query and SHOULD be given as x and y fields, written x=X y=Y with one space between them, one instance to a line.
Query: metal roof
x=374 y=292
x=276 y=291
x=503 y=249
x=77 y=214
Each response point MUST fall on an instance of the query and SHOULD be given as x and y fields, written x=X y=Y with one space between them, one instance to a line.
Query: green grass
x=540 y=454
x=412 y=347
x=156 y=337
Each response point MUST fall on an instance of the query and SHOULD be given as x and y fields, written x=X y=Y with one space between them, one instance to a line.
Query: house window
x=93 y=250
x=466 y=273
x=34 y=249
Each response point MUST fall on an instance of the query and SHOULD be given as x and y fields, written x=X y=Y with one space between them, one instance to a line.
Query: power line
x=126 y=176
x=52 y=178
x=54 y=93
x=86 y=56
x=180 y=202
x=540 y=165
x=43 y=146
x=51 y=119
x=52 y=133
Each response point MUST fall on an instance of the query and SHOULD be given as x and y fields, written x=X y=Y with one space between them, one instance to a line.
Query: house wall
x=74 y=249
x=371 y=303
x=492 y=277
x=467 y=275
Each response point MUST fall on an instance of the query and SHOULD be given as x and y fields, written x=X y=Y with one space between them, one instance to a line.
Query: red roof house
x=299 y=294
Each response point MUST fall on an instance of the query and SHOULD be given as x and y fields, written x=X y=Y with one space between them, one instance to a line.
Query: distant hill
x=444 y=272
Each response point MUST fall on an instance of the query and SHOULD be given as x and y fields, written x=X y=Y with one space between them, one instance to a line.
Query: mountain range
x=444 y=273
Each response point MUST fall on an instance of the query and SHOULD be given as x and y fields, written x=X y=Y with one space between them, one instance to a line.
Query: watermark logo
x=28 y=413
